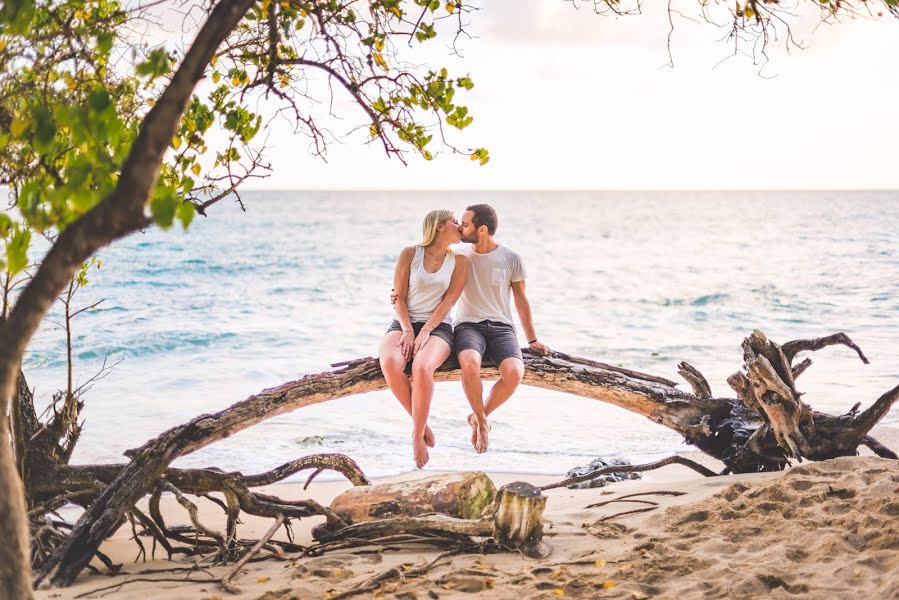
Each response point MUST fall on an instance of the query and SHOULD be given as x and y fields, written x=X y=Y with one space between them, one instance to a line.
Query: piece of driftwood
x=514 y=520
x=461 y=495
x=670 y=460
x=518 y=518
x=227 y=581
x=760 y=430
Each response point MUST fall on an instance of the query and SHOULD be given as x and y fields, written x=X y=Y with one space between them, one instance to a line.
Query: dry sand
x=820 y=530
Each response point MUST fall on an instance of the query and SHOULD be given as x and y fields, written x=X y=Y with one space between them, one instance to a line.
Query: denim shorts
x=444 y=331
x=493 y=340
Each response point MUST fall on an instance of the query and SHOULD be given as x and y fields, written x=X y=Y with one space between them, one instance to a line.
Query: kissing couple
x=479 y=279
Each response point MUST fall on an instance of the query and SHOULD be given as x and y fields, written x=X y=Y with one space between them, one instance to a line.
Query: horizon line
x=570 y=190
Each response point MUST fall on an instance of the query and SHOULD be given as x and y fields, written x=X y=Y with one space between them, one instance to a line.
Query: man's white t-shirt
x=488 y=291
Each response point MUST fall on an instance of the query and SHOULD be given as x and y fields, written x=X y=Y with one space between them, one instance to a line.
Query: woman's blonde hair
x=429 y=227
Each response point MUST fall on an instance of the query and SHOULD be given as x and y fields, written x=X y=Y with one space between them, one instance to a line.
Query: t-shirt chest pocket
x=499 y=276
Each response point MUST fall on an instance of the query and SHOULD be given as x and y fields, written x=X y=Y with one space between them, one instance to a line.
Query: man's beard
x=470 y=239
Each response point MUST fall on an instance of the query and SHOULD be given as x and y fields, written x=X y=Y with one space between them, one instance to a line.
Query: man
x=483 y=325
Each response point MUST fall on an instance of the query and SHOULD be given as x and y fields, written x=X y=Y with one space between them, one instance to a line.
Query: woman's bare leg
x=434 y=353
x=393 y=365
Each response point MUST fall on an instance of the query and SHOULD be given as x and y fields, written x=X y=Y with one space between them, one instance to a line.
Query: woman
x=428 y=280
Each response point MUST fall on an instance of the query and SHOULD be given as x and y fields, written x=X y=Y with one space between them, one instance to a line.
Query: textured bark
x=24 y=424
x=696 y=380
x=514 y=519
x=461 y=495
x=518 y=518
x=438 y=526
x=15 y=582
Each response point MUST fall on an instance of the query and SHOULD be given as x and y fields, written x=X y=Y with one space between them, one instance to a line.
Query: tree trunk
x=461 y=495
x=15 y=580
x=15 y=573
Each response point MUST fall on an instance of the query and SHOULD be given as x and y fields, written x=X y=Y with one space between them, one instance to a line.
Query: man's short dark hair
x=484 y=215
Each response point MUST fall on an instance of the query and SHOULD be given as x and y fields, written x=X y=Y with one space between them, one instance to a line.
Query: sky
x=566 y=99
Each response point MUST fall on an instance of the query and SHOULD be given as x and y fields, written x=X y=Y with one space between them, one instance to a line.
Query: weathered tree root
x=198 y=539
x=789 y=427
x=759 y=431
x=227 y=582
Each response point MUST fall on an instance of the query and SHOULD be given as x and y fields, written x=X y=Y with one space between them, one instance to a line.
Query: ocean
x=244 y=301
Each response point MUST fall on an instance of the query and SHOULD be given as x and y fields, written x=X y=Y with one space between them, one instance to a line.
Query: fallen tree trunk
x=759 y=431
x=514 y=518
x=461 y=495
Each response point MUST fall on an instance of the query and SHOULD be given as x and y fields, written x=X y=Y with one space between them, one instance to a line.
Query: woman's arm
x=457 y=284
x=401 y=287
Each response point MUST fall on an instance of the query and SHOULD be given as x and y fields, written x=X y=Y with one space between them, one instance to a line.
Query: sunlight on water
x=246 y=301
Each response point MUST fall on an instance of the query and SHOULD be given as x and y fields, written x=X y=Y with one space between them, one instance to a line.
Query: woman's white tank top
x=426 y=290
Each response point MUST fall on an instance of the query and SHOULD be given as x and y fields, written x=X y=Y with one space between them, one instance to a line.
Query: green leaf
x=163 y=206
x=104 y=42
x=29 y=198
x=157 y=64
x=17 y=250
x=98 y=100
x=186 y=214
x=17 y=15
x=481 y=155
x=19 y=127
x=5 y=224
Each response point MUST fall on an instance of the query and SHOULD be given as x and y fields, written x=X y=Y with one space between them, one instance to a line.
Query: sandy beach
x=824 y=529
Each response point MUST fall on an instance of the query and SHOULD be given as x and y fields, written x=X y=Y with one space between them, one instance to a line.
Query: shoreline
x=886 y=433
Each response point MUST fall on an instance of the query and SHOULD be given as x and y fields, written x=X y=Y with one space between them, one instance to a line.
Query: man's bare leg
x=393 y=367
x=511 y=371
x=470 y=362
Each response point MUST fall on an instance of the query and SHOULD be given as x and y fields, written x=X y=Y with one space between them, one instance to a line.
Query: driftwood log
x=460 y=495
x=760 y=430
x=513 y=519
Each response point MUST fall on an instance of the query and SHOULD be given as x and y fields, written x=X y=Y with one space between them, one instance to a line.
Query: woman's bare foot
x=420 y=451
x=429 y=437
x=479 y=431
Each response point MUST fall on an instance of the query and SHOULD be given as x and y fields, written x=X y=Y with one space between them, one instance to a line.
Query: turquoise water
x=246 y=301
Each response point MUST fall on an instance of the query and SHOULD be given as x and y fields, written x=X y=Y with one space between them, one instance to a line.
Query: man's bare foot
x=420 y=451
x=429 y=437
x=479 y=431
